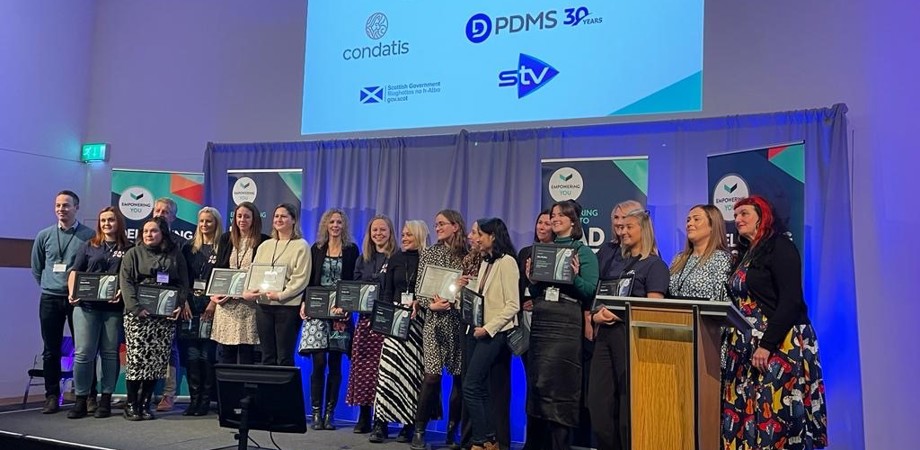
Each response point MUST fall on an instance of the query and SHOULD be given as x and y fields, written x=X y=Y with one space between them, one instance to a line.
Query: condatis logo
x=728 y=191
x=136 y=203
x=565 y=184
x=244 y=190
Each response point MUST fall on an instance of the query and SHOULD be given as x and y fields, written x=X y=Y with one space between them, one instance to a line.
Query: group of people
x=772 y=383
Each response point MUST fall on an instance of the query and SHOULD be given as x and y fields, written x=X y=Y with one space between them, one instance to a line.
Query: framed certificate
x=265 y=277
x=158 y=300
x=437 y=280
x=320 y=302
x=195 y=328
x=471 y=307
x=552 y=263
x=391 y=320
x=227 y=282
x=95 y=287
x=617 y=287
x=357 y=296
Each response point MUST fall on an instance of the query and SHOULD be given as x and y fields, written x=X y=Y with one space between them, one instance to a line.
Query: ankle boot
x=316 y=403
x=380 y=432
x=405 y=434
x=418 y=440
x=79 y=408
x=364 y=420
x=104 y=408
x=451 y=436
x=146 y=398
x=332 y=398
x=328 y=423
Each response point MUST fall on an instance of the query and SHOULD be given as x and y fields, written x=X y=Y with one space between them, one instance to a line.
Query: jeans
x=483 y=355
x=278 y=327
x=95 y=332
x=53 y=310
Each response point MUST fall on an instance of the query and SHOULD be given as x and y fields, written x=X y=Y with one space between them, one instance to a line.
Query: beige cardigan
x=500 y=292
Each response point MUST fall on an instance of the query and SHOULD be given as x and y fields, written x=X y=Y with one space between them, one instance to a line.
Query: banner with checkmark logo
x=776 y=172
x=135 y=192
x=265 y=188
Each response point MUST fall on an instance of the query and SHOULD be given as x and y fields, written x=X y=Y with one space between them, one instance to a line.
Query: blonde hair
x=419 y=230
x=199 y=240
x=369 y=247
x=322 y=235
x=717 y=240
x=648 y=245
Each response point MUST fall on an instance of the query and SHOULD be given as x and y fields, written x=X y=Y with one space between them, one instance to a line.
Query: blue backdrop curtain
x=497 y=173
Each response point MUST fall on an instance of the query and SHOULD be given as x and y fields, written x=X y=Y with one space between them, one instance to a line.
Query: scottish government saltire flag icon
x=372 y=94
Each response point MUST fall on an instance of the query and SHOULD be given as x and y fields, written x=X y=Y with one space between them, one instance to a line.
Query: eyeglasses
x=441 y=224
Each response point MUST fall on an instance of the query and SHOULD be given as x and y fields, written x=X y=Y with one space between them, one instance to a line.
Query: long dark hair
x=255 y=230
x=572 y=210
x=121 y=240
x=545 y=212
x=495 y=227
x=166 y=244
x=456 y=242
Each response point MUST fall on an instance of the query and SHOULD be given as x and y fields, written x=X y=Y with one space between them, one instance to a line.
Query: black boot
x=104 y=408
x=316 y=403
x=332 y=398
x=380 y=432
x=146 y=398
x=194 y=386
x=451 y=440
x=364 y=420
x=405 y=435
x=418 y=439
x=132 y=404
x=79 y=408
x=207 y=385
x=328 y=423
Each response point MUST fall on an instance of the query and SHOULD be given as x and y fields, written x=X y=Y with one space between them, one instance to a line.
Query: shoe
x=379 y=433
x=131 y=412
x=451 y=436
x=328 y=424
x=119 y=404
x=166 y=403
x=405 y=435
x=51 y=405
x=91 y=404
x=144 y=410
x=490 y=445
x=418 y=441
x=104 y=407
x=79 y=408
x=204 y=406
x=364 y=420
x=316 y=421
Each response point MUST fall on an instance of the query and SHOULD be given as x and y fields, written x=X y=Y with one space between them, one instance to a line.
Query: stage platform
x=29 y=429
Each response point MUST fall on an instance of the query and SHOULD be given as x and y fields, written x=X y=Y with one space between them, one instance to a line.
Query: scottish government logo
x=136 y=203
x=481 y=25
x=376 y=26
x=244 y=190
x=566 y=184
x=531 y=74
x=729 y=190
x=371 y=94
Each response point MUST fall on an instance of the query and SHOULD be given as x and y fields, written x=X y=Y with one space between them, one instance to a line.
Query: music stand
x=253 y=397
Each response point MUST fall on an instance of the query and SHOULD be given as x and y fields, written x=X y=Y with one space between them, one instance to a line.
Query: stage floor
x=170 y=430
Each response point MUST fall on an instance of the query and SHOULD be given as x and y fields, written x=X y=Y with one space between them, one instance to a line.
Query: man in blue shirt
x=53 y=254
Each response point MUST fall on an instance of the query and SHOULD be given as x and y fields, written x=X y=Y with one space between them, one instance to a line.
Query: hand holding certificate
x=158 y=301
x=266 y=278
x=439 y=281
x=357 y=296
x=391 y=320
x=227 y=283
x=552 y=263
x=95 y=287
x=320 y=303
x=471 y=307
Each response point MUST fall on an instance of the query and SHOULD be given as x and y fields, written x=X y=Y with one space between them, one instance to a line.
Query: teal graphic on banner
x=266 y=188
x=134 y=193
x=776 y=173
x=597 y=185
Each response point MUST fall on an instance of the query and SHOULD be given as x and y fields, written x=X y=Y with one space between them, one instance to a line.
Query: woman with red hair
x=772 y=386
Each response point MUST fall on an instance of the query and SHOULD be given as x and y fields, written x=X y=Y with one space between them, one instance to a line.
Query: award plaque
x=357 y=296
x=391 y=320
x=95 y=287
x=266 y=278
x=617 y=287
x=320 y=302
x=158 y=300
x=471 y=307
x=437 y=280
x=552 y=263
x=195 y=328
x=227 y=282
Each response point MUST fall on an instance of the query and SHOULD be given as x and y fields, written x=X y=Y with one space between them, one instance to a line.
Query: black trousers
x=278 y=327
x=53 y=311
x=546 y=435
x=236 y=354
x=608 y=388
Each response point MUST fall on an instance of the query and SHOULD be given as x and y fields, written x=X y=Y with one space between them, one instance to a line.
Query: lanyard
x=240 y=257
x=410 y=277
x=279 y=255
x=63 y=249
x=680 y=277
x=485 y=276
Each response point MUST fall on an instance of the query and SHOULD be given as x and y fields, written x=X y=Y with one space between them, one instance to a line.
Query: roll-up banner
x=597 y=184
x=776 y=173
x=134 y=193
x=266 y=188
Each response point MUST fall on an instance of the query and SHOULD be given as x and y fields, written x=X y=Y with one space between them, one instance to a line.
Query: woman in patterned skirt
x=379 y=245
x=334 y=256
x=158 y=261
x=399 y=379
x=234 y=327
x=772 y=385
x=441 y=335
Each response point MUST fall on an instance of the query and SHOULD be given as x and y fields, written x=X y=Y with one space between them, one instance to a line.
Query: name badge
x=407 y=298
x=527 y=293
x=59 y=268
x=552 y=294
x=163 y=277
x=200 y=285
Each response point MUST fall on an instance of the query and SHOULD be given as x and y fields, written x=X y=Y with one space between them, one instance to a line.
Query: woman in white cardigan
x=499 y=286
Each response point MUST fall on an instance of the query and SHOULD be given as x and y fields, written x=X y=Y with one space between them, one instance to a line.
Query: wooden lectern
x=674 y=369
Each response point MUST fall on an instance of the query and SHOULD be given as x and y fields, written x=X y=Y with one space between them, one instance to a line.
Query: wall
x=44 y=89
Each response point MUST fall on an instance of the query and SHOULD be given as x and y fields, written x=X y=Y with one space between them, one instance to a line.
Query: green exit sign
x=94 y=153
